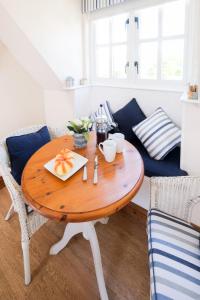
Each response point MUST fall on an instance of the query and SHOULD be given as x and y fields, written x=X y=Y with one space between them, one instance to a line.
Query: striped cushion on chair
x=174 y=257
x=158 y=134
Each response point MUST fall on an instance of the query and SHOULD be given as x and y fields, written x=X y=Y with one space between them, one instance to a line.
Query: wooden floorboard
x=70 y=274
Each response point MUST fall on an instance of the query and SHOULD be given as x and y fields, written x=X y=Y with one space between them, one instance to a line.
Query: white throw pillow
x=158 y=134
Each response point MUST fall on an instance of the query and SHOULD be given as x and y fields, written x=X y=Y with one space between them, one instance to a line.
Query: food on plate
x=64 y=162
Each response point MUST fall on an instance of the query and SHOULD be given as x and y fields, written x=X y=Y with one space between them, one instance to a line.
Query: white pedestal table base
x=89 y=233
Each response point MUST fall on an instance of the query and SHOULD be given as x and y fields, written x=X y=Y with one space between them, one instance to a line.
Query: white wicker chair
x=173 y=238
x=176 y=196
x=29 y=223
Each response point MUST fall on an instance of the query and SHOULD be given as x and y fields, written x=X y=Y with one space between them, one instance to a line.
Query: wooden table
x=81 y=204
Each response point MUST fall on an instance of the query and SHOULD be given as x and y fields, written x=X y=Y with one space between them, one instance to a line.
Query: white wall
x=55 y=30
x=45 y=37
x=59 y=107
x=21 y=98
x=25 y=53
x=190 y=159
x=62 y=106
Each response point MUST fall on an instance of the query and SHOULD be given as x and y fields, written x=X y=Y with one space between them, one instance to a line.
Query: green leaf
x=70 y=128
x=76 y=128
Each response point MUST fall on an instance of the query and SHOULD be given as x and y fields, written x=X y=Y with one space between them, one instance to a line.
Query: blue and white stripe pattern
x=158 y=134
x=106 y=111
x=174 y=258
x=92 y=5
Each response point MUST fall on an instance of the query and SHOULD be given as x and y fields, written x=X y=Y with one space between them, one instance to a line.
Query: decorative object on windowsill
x=193 y=92
x=101 y=126
x=69 y=82
x=83 y=81
x=80 y=128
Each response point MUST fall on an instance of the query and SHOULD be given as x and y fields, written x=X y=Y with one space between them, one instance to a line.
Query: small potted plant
x=80 y=128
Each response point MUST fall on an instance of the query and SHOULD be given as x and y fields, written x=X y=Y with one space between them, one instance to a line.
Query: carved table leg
x=102 y=221
x=71 y=230
x=89 y=233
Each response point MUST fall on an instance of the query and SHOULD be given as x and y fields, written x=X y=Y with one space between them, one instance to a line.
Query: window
x=147 y=45
x=160 y=37
x=110 y=47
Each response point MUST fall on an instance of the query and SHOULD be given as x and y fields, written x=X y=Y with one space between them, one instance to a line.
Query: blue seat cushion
x=21 y=148
x=127 y=117
x=169 y=166
x=174 y=257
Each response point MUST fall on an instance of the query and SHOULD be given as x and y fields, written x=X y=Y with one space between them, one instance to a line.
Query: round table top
x=75 y=200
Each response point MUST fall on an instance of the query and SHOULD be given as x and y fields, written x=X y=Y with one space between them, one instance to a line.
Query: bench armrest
x=176 y=195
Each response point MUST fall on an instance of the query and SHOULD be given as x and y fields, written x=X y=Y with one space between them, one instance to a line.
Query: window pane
x=119 y=32
x=148 y=53
x=174 y=18
x=102 y=31
x=148 y=23
x=119 y=60
x=172 y=59
x=102 y=62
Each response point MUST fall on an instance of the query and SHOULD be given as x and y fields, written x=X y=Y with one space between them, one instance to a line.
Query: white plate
x=79 y=162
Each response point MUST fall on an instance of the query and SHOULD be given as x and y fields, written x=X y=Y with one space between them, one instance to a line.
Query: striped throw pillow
x=158 y=134
x=106 y=111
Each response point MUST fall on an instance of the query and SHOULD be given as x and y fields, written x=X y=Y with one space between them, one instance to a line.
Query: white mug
x=119 y=139
x=108 y=149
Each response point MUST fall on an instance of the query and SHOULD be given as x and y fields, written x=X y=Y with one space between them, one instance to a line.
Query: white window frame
x=111 y=44
x=133 y=79
x=159 y=81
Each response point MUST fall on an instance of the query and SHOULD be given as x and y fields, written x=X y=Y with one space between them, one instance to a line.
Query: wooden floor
x=70 y=275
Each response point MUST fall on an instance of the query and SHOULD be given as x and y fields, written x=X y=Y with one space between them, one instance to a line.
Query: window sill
x=128 y=86
x=76 y=87
x=184 y=98
x=139 y=87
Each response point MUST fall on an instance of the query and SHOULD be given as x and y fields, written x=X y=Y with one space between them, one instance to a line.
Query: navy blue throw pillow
x=21 y=148
x=127 y=117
